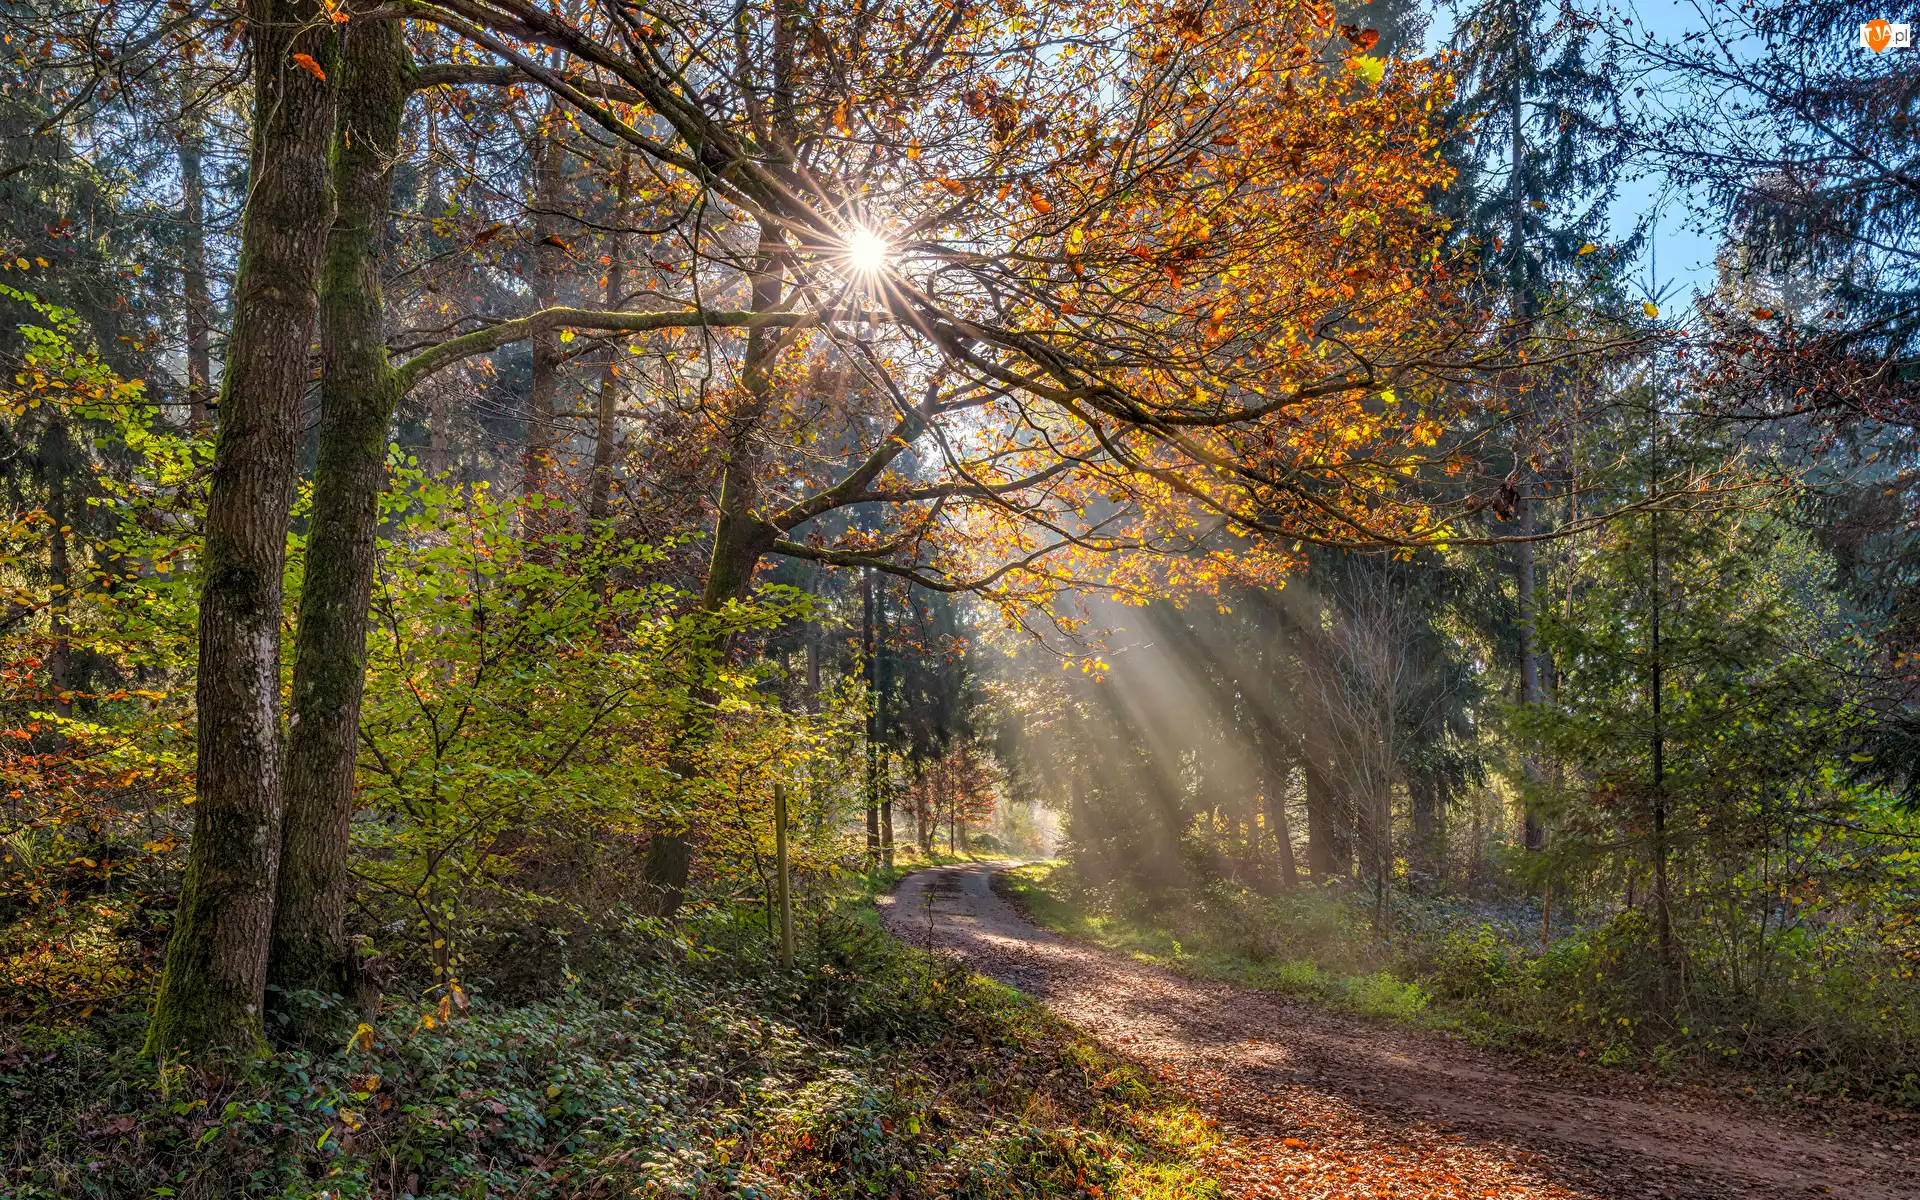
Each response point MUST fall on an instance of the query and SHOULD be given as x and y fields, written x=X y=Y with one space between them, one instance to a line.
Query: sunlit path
x=1315 y=1105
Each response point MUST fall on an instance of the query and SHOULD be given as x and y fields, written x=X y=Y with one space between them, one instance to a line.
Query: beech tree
x=213 y=991
x=1157 y=280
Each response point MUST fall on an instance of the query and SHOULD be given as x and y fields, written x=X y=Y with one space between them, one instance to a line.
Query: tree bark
x=1535 y=833
x=868 y=646
x=548 y=161
x=60 y=571
x=214 y=985
x=740 y=538
x=600 y=497
x=1276 y=802
x=193 y=255
x=358 y=394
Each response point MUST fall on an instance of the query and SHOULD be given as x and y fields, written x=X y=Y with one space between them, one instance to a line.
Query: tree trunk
x=868 y=645
x=1663 y=912
x=549 y=158
x=600 y=497
x=740 y=538
x=214 y=985
x=1276 y=800
x=193 y=254
x=1535 y=835
x=1535 y=831
x=358 y=394
x=1323 y=841
x=60 y=572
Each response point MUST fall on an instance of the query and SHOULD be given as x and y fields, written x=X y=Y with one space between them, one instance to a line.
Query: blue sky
x=1680 y=259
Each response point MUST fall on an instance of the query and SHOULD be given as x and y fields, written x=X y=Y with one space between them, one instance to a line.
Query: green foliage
x=523 y=689
x=693 y=1067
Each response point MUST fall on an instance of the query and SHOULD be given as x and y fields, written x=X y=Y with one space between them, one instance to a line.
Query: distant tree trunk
x=358 y=395
x=214 y=985
x=1323 y=842
x=549 y=160
x=886 y=813
x=868 y=646
x=740 y=538
x=434 y=205
x=600 y=497
x=815 y=787
x=923 y=820
x=1663 y=913
x=60 y=573
x=193 y=254
x=1275 y=792
x=1535 y=833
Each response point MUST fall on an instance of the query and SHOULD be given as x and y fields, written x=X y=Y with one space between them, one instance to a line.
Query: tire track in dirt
x=1315 y=1105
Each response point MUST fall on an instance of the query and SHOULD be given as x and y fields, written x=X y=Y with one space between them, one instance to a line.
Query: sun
x=867 y=251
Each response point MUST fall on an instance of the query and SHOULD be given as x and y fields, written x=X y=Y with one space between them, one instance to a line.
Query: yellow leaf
x=1589 y=248
x=363 y=1037
x=1650 y=308
x=566 y=335
x=1367 y=67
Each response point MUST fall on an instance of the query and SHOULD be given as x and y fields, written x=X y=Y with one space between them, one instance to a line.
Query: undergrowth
x=687 y=1065
x=1830 y=1030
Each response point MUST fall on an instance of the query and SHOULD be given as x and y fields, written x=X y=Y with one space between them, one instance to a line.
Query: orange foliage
x=1160 y=302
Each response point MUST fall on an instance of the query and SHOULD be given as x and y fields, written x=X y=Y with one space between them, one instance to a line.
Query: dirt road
x=1313 y=1104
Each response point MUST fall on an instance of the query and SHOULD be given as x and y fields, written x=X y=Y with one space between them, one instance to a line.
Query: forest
x=959 y=598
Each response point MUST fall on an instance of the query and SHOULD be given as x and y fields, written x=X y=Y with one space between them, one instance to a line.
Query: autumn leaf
x=1589 y=248
x=312 y=67
x=1040 y=203
x=1650 y=308
x=1761 y=314
x=1367 y=67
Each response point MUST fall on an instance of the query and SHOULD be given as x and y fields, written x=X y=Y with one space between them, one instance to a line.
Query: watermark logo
x=1878 y=36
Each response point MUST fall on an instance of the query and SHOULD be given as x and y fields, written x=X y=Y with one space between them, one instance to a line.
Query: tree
x=358 y=394
x=1101 y=318
x=1535 y=109
x=1813 y=327
x=1705 y=698
x=212 y=993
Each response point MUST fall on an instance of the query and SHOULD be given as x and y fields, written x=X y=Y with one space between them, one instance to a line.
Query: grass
x=1837 y=1024
x=1199 y=949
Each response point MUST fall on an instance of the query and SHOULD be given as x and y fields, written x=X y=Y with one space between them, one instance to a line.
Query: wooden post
x=780 y=866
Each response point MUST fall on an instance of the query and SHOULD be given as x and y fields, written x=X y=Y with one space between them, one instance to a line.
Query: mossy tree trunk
x=358 y=392
x=214 y=985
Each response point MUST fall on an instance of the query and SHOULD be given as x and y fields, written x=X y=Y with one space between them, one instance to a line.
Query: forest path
x=1312 y=1104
